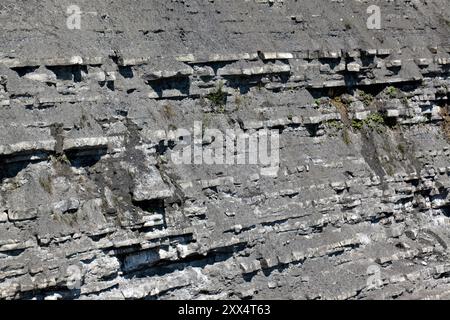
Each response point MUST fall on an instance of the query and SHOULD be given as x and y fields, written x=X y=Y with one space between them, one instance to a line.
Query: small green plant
x=374 y=121
x=221 y=109
x=375 y=118
x=335 y=124
x=60 y=158
x=317 y=102
x=392 y=91
x=367 y=98
x=357 y=124
x=218 y=97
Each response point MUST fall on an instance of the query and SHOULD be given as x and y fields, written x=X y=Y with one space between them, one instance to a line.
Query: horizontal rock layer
x=92 y=205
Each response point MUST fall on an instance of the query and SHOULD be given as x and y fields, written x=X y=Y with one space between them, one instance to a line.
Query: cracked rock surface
x=93 y=207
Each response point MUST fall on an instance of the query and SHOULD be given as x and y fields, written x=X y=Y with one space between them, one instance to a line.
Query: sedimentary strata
x=92 y=207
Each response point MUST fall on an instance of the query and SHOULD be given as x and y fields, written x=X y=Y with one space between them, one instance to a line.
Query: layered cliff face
x=353 y=202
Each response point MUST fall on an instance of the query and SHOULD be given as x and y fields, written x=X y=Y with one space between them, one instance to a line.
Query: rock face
x=93 y=205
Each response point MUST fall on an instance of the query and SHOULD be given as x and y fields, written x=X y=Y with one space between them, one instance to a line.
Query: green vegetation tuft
x=375 y=118
x=317 y=102
x=335 y=124
x=373 y=121
x=357 y=124
x=218 y=97
x=367 y=98
x=392 y=91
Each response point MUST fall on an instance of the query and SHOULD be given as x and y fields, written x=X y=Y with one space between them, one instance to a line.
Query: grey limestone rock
x=93 y=205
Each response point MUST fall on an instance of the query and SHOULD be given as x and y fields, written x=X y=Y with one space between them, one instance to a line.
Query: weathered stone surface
x=93 y=205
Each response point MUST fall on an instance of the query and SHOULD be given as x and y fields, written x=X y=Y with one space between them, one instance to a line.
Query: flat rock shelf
x=92 y=205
